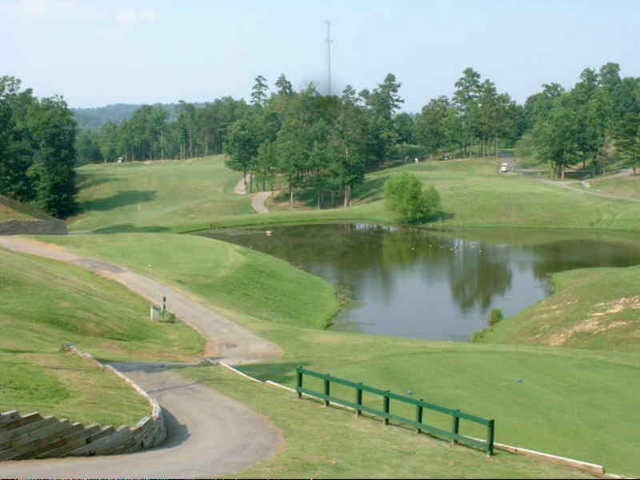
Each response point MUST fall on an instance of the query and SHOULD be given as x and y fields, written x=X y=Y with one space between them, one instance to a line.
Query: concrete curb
x=34 y=436
x=156 y=411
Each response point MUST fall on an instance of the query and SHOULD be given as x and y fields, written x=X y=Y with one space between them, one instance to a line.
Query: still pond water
x=413 y=283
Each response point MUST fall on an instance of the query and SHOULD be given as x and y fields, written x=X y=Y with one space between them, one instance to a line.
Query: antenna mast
x=328 y=56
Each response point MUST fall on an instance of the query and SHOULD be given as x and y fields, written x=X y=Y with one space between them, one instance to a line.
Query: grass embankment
x=152 y=196
x=621 y=185
x=554 y=400
x=13 y=210
x=232 y=278
x=45 y=303
x=596 y=308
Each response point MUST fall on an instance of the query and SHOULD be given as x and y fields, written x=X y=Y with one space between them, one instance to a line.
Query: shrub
x=404 y=195
x=495 y=316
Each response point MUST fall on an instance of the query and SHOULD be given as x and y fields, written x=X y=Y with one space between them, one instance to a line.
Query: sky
x=95 y=53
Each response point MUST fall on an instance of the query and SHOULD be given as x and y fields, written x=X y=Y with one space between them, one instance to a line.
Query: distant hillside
x=13 y=210
x=92 y=118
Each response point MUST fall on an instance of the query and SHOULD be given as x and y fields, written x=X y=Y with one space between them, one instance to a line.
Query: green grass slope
x=332 y=443
x=621 y=185
x=597 y=308
x=154 y=195
x=193 y=194
x=45 y=303
x=473 y=195
x=13 y=210
x=231 y=277
x=549 y=399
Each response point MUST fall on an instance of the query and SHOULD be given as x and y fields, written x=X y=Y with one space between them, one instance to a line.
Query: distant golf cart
x=504 y=167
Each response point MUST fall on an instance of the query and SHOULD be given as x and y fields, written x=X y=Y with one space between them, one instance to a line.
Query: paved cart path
x=208 y=434
x=257 y=199
x=225 y=339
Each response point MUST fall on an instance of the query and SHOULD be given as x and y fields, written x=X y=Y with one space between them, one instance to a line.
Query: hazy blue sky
x=99 y=52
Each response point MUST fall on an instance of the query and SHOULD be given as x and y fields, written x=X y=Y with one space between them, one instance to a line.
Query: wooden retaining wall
x=36 y=227
x=35 y=436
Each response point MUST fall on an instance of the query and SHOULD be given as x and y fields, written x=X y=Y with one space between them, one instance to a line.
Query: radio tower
x=328 y=56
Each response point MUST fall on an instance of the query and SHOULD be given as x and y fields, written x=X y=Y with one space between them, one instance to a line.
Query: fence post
x=455 y=427
x=490 y=436
x=299 y=382
x=419 y=416
x=386 y=407
x=327 y=389
x=359 y=399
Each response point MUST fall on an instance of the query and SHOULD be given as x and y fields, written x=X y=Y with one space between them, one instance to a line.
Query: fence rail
x=453 y=435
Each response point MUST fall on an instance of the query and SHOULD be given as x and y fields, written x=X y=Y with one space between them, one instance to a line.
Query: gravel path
x=208 y=433
x=257 y=199
x=568 y=186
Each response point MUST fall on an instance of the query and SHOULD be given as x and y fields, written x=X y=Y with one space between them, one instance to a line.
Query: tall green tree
x=259 y=91
x=241 y=146
x=53 y=130
x=284 y=86
x=430 y=127
x=556 y=137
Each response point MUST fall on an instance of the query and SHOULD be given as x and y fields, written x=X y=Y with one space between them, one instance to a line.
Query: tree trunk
x=347 y=195
x=290 y=197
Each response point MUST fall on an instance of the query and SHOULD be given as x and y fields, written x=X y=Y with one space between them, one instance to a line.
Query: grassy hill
x=193 y=194
x=152 y=196
x=473 y=195
x=13 y=210
x=623 y=185
x=543 y=398
x=99 y=316
x=596 y=308
x=557 y=400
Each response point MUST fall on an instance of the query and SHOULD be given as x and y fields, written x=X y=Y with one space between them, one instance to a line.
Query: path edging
x=34 y=436
x=570 y=462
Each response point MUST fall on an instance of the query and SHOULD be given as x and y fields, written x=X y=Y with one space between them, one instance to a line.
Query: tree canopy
x=37 y=149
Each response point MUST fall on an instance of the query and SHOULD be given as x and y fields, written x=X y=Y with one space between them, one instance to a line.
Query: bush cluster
x=405 y=196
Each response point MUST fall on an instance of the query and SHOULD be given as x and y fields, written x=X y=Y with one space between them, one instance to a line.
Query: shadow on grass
x=276 y=372
x=88 y=181
x=369 y=189
x=120 y=199
x=130 y=228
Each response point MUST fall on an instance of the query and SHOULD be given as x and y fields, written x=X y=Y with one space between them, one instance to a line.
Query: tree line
x=598 y=119
x=321 y=146
x=37 y=152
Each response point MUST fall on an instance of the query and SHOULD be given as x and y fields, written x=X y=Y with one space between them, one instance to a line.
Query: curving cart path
x=257 y=199
x=208 y=434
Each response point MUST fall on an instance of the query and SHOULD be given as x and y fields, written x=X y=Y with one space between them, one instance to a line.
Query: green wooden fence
x=420 y=405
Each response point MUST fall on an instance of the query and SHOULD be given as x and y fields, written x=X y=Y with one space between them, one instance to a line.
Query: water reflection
x=410 y=282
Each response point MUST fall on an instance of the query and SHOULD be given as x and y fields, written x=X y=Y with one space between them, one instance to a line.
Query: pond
x=417 y=283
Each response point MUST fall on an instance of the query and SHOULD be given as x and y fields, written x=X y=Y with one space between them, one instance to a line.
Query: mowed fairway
x=45 y=303
x=185 y=195
x=330 y=442
x=554 y=400
x=473 y=195
x=155 y=195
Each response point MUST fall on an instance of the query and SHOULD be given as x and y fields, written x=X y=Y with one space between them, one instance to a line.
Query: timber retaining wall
x=36 y=227
x=35 y=436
